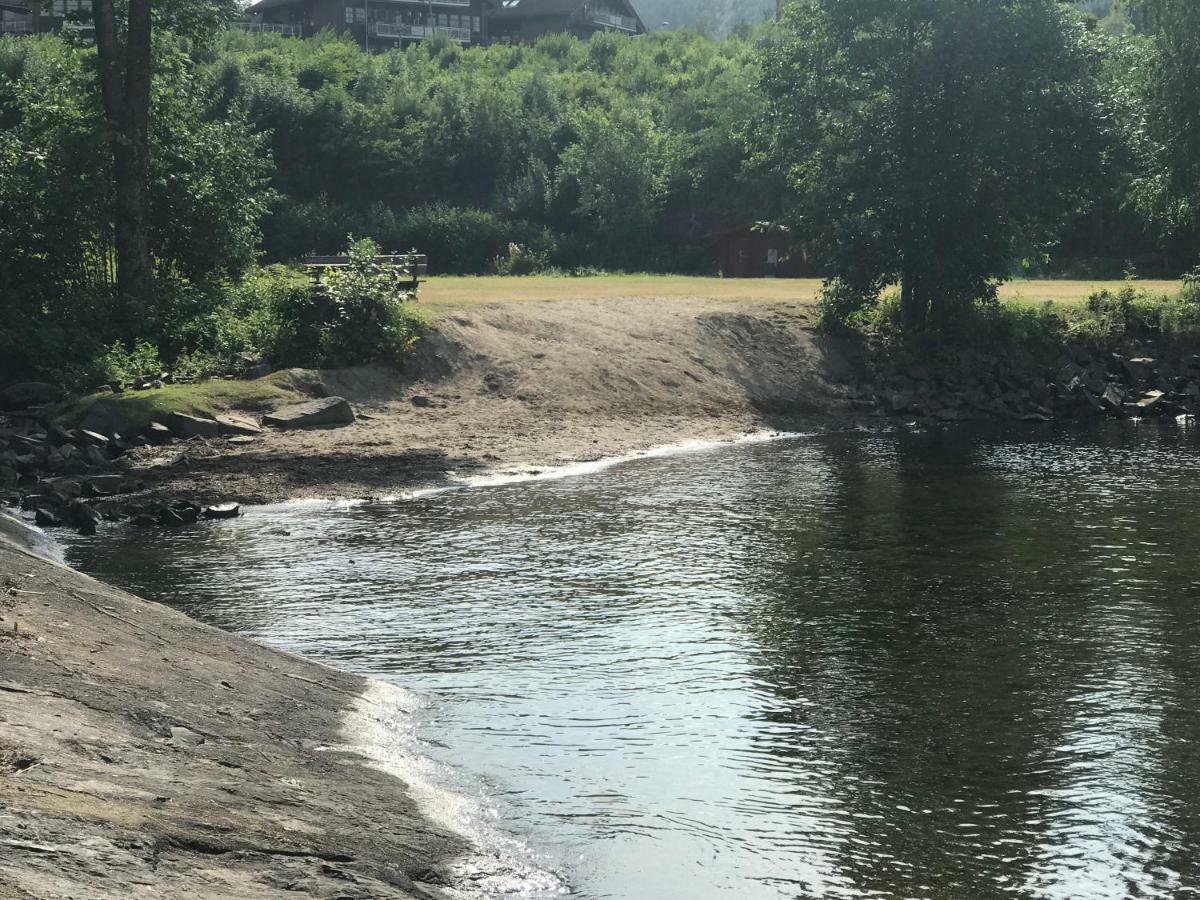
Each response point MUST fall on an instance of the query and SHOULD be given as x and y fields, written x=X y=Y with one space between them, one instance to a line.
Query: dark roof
x=528 y=9
x=14 y=7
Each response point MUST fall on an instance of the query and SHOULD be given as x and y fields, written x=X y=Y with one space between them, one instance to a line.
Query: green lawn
x=454 y=291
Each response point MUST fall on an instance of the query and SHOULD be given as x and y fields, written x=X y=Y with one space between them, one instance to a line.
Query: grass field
x=467 y=291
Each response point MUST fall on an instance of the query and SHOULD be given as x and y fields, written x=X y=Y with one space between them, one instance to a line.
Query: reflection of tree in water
x=927 y=626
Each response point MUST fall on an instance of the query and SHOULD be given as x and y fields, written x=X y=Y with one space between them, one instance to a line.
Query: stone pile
x=64 y=477
x=1078 y=384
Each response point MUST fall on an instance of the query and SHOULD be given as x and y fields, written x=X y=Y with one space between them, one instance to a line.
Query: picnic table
x=412 y=266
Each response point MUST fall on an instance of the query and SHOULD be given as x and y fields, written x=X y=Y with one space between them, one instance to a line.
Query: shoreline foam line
x=532 y=472
x=380 y=727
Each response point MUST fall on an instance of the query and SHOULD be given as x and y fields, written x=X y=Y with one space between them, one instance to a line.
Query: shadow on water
x=936 y=664
x=981 y=702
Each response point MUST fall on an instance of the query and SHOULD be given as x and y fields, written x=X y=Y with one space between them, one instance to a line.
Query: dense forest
x=614 y=153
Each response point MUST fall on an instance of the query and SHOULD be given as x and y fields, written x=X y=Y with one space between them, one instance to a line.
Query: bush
x=122 y=367
x=368 y=315
x=520 y=260
x=840 y=307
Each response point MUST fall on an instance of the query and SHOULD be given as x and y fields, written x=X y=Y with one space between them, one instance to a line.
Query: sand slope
x=511 y=386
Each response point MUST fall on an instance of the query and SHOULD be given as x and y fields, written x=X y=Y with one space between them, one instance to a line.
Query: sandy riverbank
x=507 y=388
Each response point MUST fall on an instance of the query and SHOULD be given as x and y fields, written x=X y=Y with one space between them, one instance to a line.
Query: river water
x=947 y=664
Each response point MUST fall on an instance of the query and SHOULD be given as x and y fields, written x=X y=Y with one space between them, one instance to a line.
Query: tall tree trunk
x=125 y=75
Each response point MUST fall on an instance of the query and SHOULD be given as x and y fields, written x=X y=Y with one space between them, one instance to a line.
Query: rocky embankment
x=76 y=477
x=1075 y=384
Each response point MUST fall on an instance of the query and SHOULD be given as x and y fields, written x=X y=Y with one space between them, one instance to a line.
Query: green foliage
x=841 y=307
x=368 y=312
x=619 y=153
x=1111 y=318
x=1169 y=187
x=57 y=273
x=120 y=366
x=931 y=142
x=520 y=260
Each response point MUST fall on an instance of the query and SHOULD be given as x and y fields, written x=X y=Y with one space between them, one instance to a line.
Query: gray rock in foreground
x=203 y=766
x=30 y=393
x=328 y=412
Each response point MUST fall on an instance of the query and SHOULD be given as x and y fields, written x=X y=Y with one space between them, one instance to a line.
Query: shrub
x=520 y=260
x=840 y=306
x=121 y=367
x=368 y=312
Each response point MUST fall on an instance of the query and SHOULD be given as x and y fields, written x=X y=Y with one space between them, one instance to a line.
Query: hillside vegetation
x=896 y=149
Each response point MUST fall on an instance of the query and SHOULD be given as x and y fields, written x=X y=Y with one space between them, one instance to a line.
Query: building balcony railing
x=16 y=28
x=419 y=32
x=612 y=20
x=271 y=28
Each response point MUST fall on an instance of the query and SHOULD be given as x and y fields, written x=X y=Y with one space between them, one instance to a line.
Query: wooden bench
x=410 y=265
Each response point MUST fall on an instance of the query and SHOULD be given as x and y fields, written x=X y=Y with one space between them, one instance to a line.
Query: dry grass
x=456 y=291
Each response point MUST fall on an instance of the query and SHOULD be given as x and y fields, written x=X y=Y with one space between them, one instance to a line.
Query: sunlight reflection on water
x=936 y=665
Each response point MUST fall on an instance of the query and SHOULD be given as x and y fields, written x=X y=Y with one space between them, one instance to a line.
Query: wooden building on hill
x=375 y=24
x=16 y=18
x=762 y=250
x=524 y=21
x=46 y=16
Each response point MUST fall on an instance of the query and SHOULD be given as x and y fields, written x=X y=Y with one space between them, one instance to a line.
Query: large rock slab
x=328 y=412
x=185 y=426
x=232 y=426
x=30 y=393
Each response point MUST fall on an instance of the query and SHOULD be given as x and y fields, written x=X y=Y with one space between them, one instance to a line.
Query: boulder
x=232 y=426
x=1139 y=369
x=94 y=456
x=157 y=432
x=103 y=417
x=82 y=517
x=328 y=412
x=95 y=438
x=222 y=511
x=30 y=393
x=104 y=485
x=179 y=513
x=1113 y=399
x=187 y=426
x=55 y=462
x=46 y=518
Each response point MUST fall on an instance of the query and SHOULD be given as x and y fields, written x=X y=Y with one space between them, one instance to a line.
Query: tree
x=126 y=62
x=931 y=142
x=125 y=73
x=1170 y=188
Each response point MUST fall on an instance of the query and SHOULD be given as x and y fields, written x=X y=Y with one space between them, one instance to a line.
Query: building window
x=349 y=15
x=476 y=24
